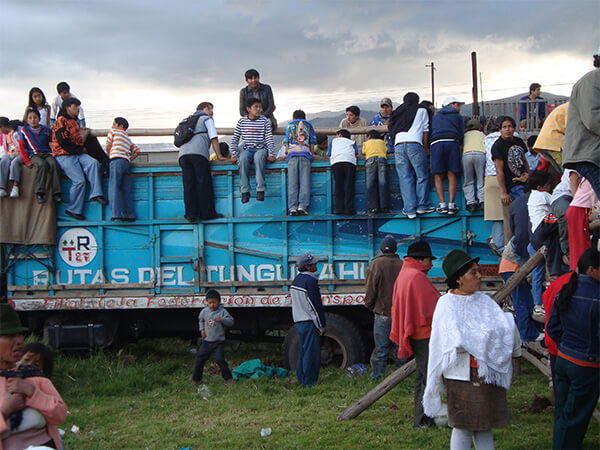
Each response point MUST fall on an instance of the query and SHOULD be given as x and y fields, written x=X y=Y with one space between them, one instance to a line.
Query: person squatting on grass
x=309 y=316
x=212 y=321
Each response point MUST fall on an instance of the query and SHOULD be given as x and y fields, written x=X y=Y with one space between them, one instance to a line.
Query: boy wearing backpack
x=194 y=146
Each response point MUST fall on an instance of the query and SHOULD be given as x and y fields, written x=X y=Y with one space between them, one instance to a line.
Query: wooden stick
x=378 y=391
x=537 y=363
x=518 y=277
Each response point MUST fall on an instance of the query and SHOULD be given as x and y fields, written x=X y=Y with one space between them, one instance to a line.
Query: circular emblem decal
x=77 y=247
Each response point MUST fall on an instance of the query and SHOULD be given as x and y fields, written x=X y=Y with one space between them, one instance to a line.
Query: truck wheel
x=343 y=344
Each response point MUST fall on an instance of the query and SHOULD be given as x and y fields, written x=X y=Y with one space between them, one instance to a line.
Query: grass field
x=140 y=396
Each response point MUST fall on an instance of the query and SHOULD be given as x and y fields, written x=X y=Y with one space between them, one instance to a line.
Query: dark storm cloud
x=323 y=45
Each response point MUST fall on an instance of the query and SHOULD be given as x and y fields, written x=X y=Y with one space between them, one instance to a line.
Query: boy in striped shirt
x=255 y=130
x=121 y=151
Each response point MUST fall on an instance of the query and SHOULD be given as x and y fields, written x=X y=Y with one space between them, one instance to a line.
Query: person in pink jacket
x=22 y=392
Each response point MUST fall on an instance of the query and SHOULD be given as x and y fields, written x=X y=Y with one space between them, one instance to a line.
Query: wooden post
x=379 y=391
x=518 y=277
x=396 y=377
x=475 y=89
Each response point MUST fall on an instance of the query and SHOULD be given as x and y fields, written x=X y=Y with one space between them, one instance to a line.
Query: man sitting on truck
x=71 y=156
x=255 y=130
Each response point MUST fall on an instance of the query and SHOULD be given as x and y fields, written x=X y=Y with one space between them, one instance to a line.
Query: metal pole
x=481 y=92
x=475 y=88
x=432 y=65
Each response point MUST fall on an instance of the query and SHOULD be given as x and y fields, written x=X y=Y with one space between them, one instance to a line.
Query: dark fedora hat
x=454 y=261
x=420 y=249
x=9 y=320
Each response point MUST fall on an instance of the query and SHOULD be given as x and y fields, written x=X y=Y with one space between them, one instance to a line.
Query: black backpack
x=185 y=131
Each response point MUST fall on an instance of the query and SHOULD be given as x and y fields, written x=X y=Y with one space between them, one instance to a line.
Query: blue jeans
x=498 y=234
x=259 y=157
x=516 y=191
x=298 y=182
x=382 y=326
x=413 y=175
x=377 y=190
x=523 y=304
x=537 y=278
x=78 y=168
x=10 y=164
x=217 y=349
x=119 y=190
x=473 y=171
x=309 y=353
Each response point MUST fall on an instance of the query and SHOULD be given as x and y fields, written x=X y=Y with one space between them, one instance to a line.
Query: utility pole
x=475 y=89
x=432 y=82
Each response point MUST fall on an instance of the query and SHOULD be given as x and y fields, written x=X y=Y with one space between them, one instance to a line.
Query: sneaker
x=441 y=210
x=452 y=210
x=41 y=198
x=495 y=249
x=100 y=199
x=372 y=211
x=302 y=211
x=538 y=313
x=245 y=197
x=427 y=210
x=57 y=198
x=472 y=207
x=3 y=193
x=74 y=215
x=409 y=215
x=260 y=196
x=481 y=205
x=293 y=212
x=14 y=193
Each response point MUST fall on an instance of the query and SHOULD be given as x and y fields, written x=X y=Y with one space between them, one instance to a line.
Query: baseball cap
x=385 y=101
x=305 y=259
x=451 y=99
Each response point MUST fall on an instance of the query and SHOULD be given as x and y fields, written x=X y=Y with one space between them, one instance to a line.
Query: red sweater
x=548 y=299
x=413 y=303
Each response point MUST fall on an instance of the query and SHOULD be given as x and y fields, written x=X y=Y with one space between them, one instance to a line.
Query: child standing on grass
x=212 y=321
x=375 y=151
x=121 y=151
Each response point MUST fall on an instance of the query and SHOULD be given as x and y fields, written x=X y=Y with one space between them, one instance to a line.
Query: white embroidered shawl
x=475 y=324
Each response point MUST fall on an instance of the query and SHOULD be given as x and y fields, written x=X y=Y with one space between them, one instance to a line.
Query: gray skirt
x=476 y=406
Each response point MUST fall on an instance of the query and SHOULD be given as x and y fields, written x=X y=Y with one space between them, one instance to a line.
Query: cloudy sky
x=153 y=61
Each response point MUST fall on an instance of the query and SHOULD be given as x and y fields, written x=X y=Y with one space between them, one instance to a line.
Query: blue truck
x=103 y=281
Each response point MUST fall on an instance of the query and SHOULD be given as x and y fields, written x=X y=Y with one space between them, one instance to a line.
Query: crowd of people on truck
x=461 y=340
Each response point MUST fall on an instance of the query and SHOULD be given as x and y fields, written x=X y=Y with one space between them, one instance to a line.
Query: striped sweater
x=255 y=134
x=119 y=145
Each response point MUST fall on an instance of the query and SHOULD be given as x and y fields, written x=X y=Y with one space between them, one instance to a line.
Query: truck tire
x=343 y=344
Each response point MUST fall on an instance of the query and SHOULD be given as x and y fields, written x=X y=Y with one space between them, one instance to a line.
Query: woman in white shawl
x=471 y=346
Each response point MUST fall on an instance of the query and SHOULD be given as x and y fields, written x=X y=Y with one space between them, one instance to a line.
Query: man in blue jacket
x=448 y=130
x=309 y=317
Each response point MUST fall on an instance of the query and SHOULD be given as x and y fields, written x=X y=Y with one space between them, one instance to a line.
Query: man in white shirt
x=409 y=124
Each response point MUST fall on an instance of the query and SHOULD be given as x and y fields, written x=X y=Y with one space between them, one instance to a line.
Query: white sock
x=451 y=205
x=443 y=204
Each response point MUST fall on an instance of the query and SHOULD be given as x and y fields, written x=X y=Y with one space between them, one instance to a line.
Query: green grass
x=141 y=397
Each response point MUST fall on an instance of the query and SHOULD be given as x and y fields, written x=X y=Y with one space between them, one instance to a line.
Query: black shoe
x=57 y=198
x=245 y=197
x=192 y=219
x=74 y=215
x=481 y=205
x=100 y=199
x=302 y=212
x=472 y=207
x=41 y=198
x=260 y=196
x=216 y=216
x=372 y=211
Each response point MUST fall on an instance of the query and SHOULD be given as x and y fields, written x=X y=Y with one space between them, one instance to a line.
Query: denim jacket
x=577 y=330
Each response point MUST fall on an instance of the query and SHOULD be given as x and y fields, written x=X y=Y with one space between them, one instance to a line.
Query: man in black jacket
x=263 y=92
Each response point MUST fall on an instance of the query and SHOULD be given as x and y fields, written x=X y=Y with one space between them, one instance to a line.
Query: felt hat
x=388 y=244
x=306 y=259
x=472 y=124
x=9 y=320
x=420 y=249
x=454 y=261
